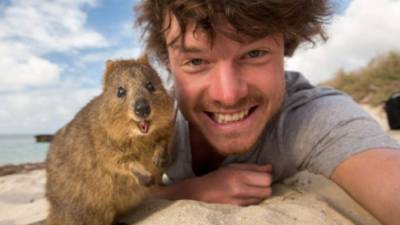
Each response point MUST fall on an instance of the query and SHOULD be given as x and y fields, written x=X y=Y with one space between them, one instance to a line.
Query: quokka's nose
x=142 y=108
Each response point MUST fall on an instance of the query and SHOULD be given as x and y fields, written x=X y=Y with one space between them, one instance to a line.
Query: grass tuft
x=372 y=84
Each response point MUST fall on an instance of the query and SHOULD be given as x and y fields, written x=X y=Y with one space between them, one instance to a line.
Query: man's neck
x=204 y=156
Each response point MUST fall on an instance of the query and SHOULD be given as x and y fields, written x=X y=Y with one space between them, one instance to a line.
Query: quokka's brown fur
x=103 y=162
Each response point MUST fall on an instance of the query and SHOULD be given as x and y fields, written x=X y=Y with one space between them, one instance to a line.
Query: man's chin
x=229 y=147
x=229 y=143
x=233 y=151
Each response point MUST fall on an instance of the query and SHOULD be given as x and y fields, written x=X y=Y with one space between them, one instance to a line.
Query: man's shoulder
x=322 y=127
x=314 y=106
x=300 y=93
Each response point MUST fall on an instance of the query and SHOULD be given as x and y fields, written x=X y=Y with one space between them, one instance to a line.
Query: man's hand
x=238 y=184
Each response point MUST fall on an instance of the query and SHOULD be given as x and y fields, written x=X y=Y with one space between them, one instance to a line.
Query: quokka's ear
x=143 y=59
x=110 y=64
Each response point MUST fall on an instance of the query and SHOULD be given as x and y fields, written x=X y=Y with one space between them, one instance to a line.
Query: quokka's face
x=136 y=101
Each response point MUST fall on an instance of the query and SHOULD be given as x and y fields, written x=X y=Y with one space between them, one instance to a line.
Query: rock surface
x=290 y=208
x=305 y=199
x=22 y=168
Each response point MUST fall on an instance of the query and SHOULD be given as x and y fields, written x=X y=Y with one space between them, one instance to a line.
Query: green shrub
x=372 y=84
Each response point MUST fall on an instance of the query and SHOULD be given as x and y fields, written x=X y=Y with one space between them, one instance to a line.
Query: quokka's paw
x=143 y=177
x=161 y=157
x=160 y=161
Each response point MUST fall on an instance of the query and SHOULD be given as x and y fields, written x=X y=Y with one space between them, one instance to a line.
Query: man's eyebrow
x=175 y=44
x=189 y=49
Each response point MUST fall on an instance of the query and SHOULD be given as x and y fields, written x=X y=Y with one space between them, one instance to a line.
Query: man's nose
x=227 y=86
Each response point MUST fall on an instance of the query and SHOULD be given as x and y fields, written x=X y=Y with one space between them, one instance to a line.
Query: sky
x=52 y=52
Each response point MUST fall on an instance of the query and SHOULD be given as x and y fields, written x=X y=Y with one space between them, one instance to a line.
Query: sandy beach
x=304 y=199
x=22 y=198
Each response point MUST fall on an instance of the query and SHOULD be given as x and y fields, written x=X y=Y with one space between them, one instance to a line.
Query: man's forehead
x=190 y=43
x=195 y=34
x=176 y=39
x=198 y=39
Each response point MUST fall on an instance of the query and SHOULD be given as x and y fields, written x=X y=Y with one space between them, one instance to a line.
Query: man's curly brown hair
x=298 y=20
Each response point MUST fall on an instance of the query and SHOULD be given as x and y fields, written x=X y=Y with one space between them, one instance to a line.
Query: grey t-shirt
x=316 y=129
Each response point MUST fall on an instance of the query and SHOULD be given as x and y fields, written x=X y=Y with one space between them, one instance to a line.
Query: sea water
x=18 y=149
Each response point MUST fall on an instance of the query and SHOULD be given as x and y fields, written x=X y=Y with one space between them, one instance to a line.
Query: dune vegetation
x=372 y=84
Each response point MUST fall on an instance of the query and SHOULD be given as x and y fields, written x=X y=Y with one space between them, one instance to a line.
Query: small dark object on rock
x=392 y=109
x=120 y=223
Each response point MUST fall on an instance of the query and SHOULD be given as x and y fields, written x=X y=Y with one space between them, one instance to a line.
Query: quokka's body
x=104 y=162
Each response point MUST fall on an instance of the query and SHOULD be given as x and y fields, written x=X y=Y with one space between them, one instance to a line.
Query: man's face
x=227 y=92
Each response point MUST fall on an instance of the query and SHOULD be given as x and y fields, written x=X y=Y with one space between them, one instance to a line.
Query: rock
x=44 y=137
x=304 y=199
x=21 y=168
x=289 y=208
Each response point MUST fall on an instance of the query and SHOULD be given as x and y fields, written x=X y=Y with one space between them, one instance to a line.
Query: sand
x=22 y=198
x=304 y=199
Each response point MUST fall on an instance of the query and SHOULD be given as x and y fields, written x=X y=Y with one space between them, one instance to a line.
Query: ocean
x=18 y=149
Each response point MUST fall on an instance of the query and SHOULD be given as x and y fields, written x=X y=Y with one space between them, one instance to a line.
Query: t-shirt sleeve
x=324 y=132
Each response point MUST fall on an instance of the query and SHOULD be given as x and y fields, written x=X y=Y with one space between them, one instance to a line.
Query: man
x=244 y=122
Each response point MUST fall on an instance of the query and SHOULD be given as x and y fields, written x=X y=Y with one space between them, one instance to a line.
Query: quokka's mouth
x=144 y=126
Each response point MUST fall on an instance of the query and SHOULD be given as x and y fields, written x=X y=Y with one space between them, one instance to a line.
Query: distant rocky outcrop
x=22 y=168
x=44 y=137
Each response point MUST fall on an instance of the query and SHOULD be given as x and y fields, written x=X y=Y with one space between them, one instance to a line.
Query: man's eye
x=194 y=65
x=196 y=62
x=255 y=53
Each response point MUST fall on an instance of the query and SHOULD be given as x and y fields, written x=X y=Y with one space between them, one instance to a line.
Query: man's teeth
x=229 y=118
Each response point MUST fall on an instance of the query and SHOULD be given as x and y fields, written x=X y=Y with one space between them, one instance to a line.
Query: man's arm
x=373 y=179
x=238 y=184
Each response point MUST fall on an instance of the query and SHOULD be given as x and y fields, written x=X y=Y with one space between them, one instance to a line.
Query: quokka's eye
x=121 y=92
x=150 y=87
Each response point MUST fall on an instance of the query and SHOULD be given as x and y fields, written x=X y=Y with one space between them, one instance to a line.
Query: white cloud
x=125 y=53
x=20 y=69
x=51 y=25
x=29 y=29
x=129 y=37
x=34 y=98
x=42 y=111
x=367 y=28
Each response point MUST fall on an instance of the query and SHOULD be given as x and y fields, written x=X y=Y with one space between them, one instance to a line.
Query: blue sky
x=52 y=53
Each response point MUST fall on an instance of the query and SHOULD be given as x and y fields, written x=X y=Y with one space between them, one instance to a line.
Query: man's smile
x=222 y=118
x=229 y=118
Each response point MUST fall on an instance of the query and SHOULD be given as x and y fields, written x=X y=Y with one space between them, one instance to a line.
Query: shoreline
x=9 y=169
